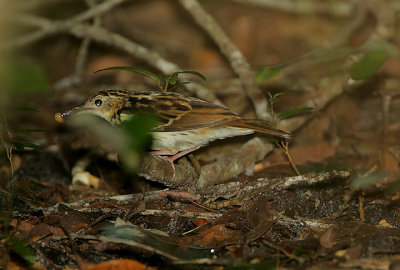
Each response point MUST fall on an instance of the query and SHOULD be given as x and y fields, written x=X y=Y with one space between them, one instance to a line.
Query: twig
x=283 y=251
x=329 y=89
x=176 y=213
x=360 y=16
x=48 y=29
x=290 y=222
x=389 y=91
x=361 y=200
x=284 y=146
x=229 y=190
x=237 y=61
x=95 y=11
x=102 y=35
x=96 y=221
x=30 y=5
x=6 y=137
x=76 y=77
x=385 y=20
x=119 y=241
x=337 y=8
x=75 y=254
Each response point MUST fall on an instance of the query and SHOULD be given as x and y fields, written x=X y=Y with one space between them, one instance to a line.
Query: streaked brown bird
x=184 y=123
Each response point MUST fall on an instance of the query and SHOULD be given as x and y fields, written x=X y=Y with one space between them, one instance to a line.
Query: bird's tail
x=260 y=126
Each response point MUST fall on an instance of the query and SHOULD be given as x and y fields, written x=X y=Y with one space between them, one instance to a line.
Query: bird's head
x=105 y=104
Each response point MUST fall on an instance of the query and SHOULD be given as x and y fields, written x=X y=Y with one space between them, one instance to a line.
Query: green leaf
x=368 y=180
x=266 y=73
x=274 y=98
x=281 y=94
x=293 y=112
x=189 y=72
x=22 y=145
x=177 y=85
x=28 y=130
x=173 y=78
x=368 y=65
x=140 y=71
x=24 y=251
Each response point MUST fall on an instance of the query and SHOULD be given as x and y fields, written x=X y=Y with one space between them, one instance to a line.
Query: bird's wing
x=259 y=126
x=177 y=113
x=203 y=114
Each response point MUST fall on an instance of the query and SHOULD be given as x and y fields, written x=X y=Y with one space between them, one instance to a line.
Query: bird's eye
x=98 y=102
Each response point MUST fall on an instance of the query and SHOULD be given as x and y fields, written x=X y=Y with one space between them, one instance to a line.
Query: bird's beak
x=60 y=117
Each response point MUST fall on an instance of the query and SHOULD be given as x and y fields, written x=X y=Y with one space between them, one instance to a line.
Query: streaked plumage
x=184 y=122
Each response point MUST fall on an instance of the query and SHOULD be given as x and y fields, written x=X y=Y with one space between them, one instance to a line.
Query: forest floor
x=328 y=199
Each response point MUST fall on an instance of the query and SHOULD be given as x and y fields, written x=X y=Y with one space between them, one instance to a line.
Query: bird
x=184 y=124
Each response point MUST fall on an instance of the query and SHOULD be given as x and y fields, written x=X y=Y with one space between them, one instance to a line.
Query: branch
x=337 y=8
x=237 y=61
x=230 y=190
x=385 y=19
x=75 y=77
x=95 y=11
x=360 y=16
x=102 y=35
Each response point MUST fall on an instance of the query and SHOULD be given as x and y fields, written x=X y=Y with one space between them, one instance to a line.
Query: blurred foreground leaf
x=129 y=141
x=20 y=248
x=138 y=130
x=110 y=138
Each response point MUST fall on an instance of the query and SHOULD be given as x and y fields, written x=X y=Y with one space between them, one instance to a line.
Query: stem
x=284 y=146
x=167 y=83
x=7 y=137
